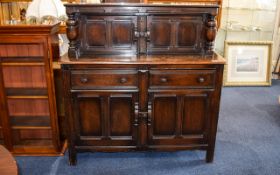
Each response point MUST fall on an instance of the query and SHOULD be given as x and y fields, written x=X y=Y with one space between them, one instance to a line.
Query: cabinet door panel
x=105 y=118
x=178 y=119
x=194 y=114
x=160 y=33
x=121 y=116
x=108 y=35
x=187 y=34
x=122 y=33
x=90 y=116
x=175 y=34
x=96 y=34
x=164 y=115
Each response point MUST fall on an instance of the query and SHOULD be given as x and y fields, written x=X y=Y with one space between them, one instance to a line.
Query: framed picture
x=248 y=63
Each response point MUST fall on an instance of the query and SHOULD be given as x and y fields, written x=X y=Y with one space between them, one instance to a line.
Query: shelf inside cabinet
x=18 y=60
x=24 y=136
x=21 y=50
x=28 y=107
x=34 y=143
x=39 y=122
x=16 y=76
x=25 y=92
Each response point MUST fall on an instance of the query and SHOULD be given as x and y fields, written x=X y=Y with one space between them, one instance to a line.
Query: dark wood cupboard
x=141 y=77
x=28 y=103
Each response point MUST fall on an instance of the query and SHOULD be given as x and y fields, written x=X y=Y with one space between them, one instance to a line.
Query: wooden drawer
x=104 y=79
x=199 y=78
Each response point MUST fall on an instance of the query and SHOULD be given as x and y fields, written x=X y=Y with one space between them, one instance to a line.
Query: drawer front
x=182 y=78
x=104 y=79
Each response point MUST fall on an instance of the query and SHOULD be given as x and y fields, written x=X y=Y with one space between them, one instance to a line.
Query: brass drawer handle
x=201 y=79
x=163 y=80
x=84 y=80
x=123 y=80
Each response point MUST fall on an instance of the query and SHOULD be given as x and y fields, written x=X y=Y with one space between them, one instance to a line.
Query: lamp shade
x=41 y=8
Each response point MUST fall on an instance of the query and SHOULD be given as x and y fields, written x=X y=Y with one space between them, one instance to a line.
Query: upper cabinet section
x=131 y=29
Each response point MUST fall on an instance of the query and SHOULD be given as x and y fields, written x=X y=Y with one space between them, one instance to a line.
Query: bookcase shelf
x=31 y=123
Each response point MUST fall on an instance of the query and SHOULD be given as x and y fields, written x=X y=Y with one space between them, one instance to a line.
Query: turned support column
x=211 y=31
x=72 y=30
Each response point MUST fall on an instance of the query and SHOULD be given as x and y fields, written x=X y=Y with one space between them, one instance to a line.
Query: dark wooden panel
x=90 y=116
x=122 y=33
x=160 y=33
x=108 y=34
x=194 y=114
x=175 y=34
x=187 y=34
x=24 y=76
x=182 y=78
x=28 y=107
x=121 y=116
x=104 y=79
x=164 y=115
x=96 y=33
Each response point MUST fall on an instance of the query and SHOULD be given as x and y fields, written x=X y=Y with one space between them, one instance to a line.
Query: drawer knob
x=201 y=80
x=123 y=80
x=84 y=80
x=163 y=80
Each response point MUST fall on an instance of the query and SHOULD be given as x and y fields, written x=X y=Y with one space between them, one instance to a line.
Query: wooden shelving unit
x=29 y=115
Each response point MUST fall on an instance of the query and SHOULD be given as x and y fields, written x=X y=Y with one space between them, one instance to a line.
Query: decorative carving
x=72 y=30
x=136 y=113
x=211 y=33
x=149 y=121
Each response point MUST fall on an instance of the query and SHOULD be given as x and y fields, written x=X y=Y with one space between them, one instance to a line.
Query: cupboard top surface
x=146 y=59
x=149 y=8
x=28 y=28
x=176 y=4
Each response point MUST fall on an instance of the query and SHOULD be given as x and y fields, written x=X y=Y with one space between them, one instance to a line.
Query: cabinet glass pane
x=21 y=50
x=24 y=76
x=32 y=137
x=28 y=107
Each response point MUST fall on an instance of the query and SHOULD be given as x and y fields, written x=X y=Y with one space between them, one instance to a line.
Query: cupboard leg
x=210 y=155
x=72 y=157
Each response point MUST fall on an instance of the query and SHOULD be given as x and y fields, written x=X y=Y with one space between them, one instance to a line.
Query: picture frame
x=248 y=63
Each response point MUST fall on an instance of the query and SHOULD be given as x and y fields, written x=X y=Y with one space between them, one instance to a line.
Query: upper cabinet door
x=175 y=34
x=108 y=34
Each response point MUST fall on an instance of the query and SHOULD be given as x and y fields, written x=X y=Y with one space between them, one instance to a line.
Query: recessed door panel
x=90 y=116
x=96 y=33
x=160 y=33
x=194 y=114
x=121 y=116
x=164 y=115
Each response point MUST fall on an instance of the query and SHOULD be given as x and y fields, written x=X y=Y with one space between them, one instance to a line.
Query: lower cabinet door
x=106 y=121
x=178 y=121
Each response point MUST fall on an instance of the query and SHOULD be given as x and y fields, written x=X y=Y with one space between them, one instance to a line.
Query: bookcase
x=28 y=103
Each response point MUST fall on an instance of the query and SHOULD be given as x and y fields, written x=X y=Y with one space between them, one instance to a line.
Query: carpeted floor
x=248 y=143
